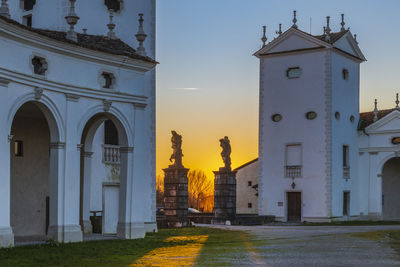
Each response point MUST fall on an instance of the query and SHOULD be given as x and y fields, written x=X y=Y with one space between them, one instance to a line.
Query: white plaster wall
x=293 y=42
x=345 y=100
x=29 y=176
x=293 y=98
x=244 y=193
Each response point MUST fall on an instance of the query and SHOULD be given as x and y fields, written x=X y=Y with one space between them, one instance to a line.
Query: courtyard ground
x=315 y=245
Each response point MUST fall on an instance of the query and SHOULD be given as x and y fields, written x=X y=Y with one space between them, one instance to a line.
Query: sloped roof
x=246 y=164
x=335 y=36
x=93 y=42
x=367 y=118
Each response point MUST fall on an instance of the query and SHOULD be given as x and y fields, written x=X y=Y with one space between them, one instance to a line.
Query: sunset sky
x=207 y=80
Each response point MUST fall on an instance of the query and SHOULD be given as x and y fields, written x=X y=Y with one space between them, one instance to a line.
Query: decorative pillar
x=225 y=188
x=72 y=19
x=176 y=187
x=85 y=194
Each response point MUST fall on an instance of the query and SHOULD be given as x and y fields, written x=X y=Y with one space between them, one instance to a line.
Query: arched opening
x=391 y=190
x=103 y=174
x=32 y=130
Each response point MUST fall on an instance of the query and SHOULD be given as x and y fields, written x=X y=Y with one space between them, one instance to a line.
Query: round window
x=311 y=115
x=337 y=115
x=352 y=118
x=276 y=117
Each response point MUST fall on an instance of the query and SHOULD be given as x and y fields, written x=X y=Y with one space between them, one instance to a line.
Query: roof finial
x=327 y=29
x=141 y=36
x=264 y=37
x=111 y=26
x=4 y=11
x=72 y=19
x=376 y=111
x=397 y=101
x=355 y=38
x=294 y=20
x=280 y=29
x=342 y=29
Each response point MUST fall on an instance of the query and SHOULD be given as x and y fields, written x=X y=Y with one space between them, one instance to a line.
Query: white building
x=77 y=118
x=319 y=159
x=247 y=188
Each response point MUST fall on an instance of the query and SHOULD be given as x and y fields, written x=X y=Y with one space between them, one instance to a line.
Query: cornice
x=43 y=42
x=4 y=82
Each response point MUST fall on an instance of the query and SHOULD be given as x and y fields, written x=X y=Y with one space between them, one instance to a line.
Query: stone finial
x=4 y=11
x=141 y=36
x=342 y=29
x=376 y=111
x=84 y=31
x=111 y=27
x=264 y=37
x=72 y=18
x=294 y=20
x=397 y=101
x=327 y=30
x=355 y=38
x=279 y=32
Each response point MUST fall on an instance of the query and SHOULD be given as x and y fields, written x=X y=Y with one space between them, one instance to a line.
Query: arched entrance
x=103 y=174
x=391 y=190
x=33 y=130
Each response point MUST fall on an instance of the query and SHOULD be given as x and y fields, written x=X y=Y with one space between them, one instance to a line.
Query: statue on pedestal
x=226 y=152
x=177 y=155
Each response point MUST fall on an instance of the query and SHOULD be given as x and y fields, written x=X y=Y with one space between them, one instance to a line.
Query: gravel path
x=316 y=246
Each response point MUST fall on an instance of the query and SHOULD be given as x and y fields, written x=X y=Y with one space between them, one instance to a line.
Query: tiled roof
x=367 y=118
x=93 y=42
x=335 y=36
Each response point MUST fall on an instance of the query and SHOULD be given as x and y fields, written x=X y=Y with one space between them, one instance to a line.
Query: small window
x=249 y=205
x=337 y=115
x=249 y=183
x=114 y=5
x=346 y=203
x=293 y=160
x=110 y=133
x=293 y=73
x=345 y=74
x=27 y=20
x=276 y=117
x=18 y=148
x=108 y=80
x=39 y=65
x=27 y=5
x=345 y=156
x=311 y=115
x=352 y=119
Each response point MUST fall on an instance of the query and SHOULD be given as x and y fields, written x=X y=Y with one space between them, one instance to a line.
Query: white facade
x=55 y=115
x=317 y=162
x=246 y=188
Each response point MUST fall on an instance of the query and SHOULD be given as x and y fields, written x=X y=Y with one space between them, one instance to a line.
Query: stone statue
x=177 y=155
x=226 y=152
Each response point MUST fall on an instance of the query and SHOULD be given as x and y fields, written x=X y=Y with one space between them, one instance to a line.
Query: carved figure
x=226 y=152
x=177 y=155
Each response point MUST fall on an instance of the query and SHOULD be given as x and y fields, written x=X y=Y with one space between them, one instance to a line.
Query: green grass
x=125 y=252
x=390 y=236
x=350 y=223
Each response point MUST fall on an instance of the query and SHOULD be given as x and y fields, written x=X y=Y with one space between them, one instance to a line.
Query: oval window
x=311 y=115
x=276 y=117
x=337 y=115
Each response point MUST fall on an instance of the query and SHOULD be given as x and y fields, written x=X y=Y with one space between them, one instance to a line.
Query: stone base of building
x=87 y=227
x=66 y=233
x=132 y=230
x=150 y=227
x=6 y=237
x=317 y=219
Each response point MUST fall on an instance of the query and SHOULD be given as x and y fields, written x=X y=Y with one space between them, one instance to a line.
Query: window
x=346 y=165
x=311 y=115
x=293 y=160
x=249 y=205
x=352 y=119
x=27 y=5
x=345 y=74
x=346 y=203
x=39 y=65
x=337 y=115
x=18 y=148
x=249 y=183
x=276 y=117
x=27 y=20
x=114 y=5
x=108 y=80
x=110 y=133
x=293 y=73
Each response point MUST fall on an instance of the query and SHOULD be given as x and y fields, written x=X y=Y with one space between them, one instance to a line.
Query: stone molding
x=107 y=105
x=87 y=154
x=72 y=97
x=131 y=230
x=57 y=145
x=4 y=82
x=38 y=93
x=80 y=146
x=126 y=149
x=139 y=106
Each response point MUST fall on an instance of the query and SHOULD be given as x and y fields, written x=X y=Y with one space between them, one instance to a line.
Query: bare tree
x=160 y=190
x=201 y=190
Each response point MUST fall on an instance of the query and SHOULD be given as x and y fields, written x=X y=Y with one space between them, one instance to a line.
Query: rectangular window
x=249 y=183
x=249 y=205
x=293 y=160
x=18 y=148
x=110 y=133
x=346 y=164
x=27 y=20
x=346 y=203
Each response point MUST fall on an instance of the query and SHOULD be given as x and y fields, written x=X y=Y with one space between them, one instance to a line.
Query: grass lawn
x=187 y=246
x=355 y=223
x=390 y=236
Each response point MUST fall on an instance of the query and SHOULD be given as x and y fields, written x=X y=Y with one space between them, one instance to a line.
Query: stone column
x=224 y=196
x=176 y=196
x=87 y=175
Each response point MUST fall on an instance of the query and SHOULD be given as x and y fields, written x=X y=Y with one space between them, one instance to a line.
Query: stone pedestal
x=224 y=196
x=176 y=196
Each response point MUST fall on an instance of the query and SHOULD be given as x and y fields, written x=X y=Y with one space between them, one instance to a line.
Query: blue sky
x=207 y=45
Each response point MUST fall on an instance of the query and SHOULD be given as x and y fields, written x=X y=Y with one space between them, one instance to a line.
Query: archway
x=33 y=129
x=391 y=190
x=103 y=174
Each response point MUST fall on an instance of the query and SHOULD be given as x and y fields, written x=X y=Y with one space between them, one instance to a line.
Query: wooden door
x=294 y=206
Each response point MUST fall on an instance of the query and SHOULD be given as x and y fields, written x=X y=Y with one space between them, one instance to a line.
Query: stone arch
x=391 y=189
